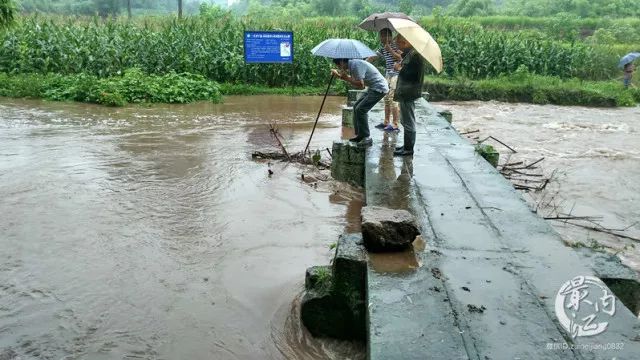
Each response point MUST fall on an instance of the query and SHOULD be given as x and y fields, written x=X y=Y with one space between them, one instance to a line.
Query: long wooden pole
x=179 y=9
x=319 y=112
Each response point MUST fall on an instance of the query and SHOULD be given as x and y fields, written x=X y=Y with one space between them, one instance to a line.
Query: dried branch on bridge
x=499 y=142
x=528 y=177
x=524 y=177
x=550 y=204
x=602 y=229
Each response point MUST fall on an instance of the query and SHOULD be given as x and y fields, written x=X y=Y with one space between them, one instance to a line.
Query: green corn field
x=212 y=47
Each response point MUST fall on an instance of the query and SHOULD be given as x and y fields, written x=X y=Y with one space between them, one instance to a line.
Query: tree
x=107 y=7
x=328 y=7
x=472 y=8
x=129 y=9
x=581 y=8
x=361 y=8
x=406 y=6
x=179 y=9
x=7 y=13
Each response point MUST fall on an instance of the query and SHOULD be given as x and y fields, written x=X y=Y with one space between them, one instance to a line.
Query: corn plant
x=212 y=47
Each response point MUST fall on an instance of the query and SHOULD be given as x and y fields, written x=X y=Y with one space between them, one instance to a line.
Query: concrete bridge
x=484 y=282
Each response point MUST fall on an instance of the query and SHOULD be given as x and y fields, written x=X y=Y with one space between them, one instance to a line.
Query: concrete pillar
x=353 y=96
x=488 y=153
x=334 y=301
x=347 y=162
x=347 y=116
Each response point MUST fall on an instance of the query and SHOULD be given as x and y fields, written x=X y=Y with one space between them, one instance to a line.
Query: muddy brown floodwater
x=149 y=233
x=596 y=153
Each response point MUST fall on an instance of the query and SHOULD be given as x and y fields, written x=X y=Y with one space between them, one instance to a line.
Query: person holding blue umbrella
x=360 y=73
x=347 y=54
x=626 y=63
x=628 y=74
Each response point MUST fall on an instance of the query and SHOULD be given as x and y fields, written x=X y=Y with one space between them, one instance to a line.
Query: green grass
x=136 y=87
x=527 y=88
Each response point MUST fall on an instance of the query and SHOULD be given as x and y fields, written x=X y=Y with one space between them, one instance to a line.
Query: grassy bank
x=135 y=87
x=534 y=89
x=131 y=87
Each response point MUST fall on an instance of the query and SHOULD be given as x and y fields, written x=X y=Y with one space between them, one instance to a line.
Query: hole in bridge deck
x=628 y=291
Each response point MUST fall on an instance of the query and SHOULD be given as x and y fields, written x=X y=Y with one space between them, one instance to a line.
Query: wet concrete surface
x=594 y=153
x=147 y=232
x=491 y=267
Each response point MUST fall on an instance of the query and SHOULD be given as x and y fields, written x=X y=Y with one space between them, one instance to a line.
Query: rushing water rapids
x=149 y=233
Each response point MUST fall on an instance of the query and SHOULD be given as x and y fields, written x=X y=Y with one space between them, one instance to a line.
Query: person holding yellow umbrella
x=417 y=45
x=408 y=89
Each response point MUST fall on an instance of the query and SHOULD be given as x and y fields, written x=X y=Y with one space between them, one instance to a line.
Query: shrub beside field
x=132 y=87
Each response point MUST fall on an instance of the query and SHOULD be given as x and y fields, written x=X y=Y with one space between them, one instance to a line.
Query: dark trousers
x=408 y=115
x=361 y=110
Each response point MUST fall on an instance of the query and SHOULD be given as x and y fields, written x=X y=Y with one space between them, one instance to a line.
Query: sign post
x=269 y=47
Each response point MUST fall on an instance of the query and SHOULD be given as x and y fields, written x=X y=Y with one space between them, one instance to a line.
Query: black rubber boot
x=409 y=142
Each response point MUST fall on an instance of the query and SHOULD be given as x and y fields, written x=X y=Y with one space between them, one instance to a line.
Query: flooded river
x=595 y=154
x=149 y=233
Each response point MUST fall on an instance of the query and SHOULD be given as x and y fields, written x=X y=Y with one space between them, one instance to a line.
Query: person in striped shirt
x=391 y=54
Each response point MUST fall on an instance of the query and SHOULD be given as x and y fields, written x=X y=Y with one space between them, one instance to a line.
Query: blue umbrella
x=337 y=49
x=343 y=49
x=628 y=58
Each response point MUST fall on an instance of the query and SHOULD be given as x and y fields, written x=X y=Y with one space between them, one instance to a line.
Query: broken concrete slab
x=385 y=229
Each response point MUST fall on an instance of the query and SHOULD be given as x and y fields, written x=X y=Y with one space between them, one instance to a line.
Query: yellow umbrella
x=421 y=41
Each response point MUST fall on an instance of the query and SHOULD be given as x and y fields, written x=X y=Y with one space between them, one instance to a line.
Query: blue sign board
x=268 y=47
